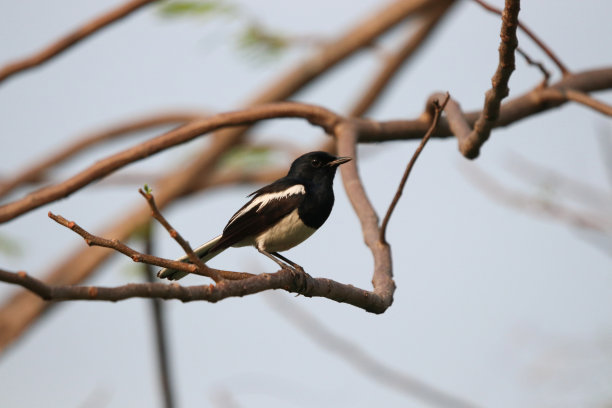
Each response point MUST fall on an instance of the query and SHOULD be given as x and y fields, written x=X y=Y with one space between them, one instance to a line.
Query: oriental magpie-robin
x=280 y=215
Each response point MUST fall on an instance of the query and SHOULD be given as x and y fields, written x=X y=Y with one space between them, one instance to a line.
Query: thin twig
x=539 y=206
x=71 y=39
x=434 y=124
x=93 y=240
x=161 y=340
x=204 y=270
x=537 y=64
x=587 y=100
x=531 y=35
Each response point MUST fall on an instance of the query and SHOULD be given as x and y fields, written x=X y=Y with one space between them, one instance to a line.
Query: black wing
x=269 y=205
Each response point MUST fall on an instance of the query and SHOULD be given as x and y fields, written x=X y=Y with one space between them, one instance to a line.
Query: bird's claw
x=300 y=277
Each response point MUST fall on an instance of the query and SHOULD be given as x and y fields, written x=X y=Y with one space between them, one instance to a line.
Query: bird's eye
x=315 y=163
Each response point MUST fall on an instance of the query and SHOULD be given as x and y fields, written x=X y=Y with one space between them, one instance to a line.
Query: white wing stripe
x=264 y=199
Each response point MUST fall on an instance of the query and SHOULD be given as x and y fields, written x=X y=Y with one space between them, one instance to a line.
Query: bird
x=278 y=216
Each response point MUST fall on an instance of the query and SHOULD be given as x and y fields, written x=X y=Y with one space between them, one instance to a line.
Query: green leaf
x=246 y=157
x=10 y=247
x=196 y=8
x=260 y=42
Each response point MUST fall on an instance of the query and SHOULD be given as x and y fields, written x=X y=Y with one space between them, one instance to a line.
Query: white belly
x=289 y=232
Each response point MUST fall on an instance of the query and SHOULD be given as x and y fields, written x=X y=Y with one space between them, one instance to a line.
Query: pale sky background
x=493 y=305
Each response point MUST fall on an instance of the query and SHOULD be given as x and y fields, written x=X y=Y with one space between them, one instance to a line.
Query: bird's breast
x=287 y=233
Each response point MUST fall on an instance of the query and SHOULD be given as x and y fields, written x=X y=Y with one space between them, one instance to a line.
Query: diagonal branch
x=587 y=100
x=394 y=62
x=195 y=260
x=314 y=114
x=531 y=35
x=94 y=240
x=360 y=358
x=434 y=124
x=71 y=39
x=470 y=148
x=38 y=170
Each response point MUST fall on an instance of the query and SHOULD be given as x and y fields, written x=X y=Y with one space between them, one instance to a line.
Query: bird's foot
x=300 y=277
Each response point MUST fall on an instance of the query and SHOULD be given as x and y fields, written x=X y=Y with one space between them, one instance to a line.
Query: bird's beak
x=339 y=161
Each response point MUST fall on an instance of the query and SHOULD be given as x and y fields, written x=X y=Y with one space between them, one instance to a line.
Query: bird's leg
x=295 y=266
x=298 y=273
x=296 y=270
x=278 y=261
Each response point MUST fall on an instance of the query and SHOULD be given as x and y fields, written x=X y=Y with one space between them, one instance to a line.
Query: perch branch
x=283 y=279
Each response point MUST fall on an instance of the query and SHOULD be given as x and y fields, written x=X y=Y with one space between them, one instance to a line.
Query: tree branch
x=470 y=148
x=588 y=101
x=195 y=260
x=434 y=124
x=71 y=39
x=531 y=35
x=382 y=278
x=531 y=103
x=94 y=240
x=539 y=206
x=316 y=115
x=360 y=359
x=161 y=340
x=394 y=62
x=283 y=279
x=38 y=170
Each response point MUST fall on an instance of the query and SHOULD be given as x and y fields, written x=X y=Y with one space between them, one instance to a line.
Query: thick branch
x=283 y=279
x=316 y=115
x=531 y=103
x=71 y=39
x=382 y=278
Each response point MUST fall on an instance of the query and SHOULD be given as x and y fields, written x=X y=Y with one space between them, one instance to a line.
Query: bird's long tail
x=203 y=252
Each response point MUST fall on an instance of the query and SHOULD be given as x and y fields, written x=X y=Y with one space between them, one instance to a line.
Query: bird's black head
x=316 y=166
